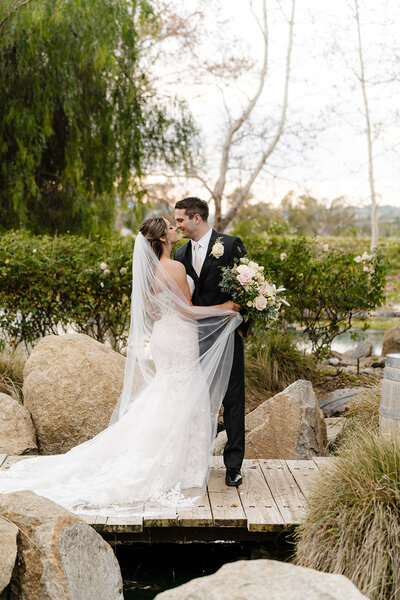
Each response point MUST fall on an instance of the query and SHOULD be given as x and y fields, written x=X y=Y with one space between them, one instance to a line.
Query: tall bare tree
x=361 y=76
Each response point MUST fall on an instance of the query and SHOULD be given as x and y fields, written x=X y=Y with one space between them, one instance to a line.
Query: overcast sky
x=325 y=149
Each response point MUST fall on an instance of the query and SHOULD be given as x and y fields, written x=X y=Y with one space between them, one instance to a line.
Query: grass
x=11 y=373
x=273 y=362
x=352 y=524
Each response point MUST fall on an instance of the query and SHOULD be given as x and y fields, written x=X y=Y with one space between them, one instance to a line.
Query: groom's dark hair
x=194 y=206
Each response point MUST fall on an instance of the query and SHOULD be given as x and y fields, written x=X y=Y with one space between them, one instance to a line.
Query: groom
x=203 y=265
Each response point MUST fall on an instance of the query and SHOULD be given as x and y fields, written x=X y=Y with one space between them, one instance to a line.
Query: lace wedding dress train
x=158 y=448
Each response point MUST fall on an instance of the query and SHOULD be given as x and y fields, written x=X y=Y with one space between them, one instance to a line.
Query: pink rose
x=244 y=278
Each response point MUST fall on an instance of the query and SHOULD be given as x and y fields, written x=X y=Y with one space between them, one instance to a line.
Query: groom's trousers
x=234 y=403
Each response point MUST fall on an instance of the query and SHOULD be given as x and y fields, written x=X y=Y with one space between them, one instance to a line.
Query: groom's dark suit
x=208 y=293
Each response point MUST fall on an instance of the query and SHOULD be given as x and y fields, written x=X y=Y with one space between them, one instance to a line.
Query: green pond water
x=149 y=569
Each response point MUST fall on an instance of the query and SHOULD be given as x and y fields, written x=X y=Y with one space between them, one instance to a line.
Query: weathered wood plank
x=289 y=499
x=324 y=462
x=2 y=458
x=124 y=524
x=225 y=503
x=261 y=510
x=304 y=472
x=154 y=517
x=198 y=516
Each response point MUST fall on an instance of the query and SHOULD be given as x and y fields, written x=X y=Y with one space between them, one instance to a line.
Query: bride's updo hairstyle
x=153 y=229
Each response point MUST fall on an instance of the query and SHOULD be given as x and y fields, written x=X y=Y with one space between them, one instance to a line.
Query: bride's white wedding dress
x=158 y=448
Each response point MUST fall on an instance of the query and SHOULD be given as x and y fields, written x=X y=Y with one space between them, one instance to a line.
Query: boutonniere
x=218 y=249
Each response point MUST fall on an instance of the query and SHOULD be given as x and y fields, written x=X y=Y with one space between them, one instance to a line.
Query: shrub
x=352 y=525
x=326 y=287
x=50 y=283
x=273 y=362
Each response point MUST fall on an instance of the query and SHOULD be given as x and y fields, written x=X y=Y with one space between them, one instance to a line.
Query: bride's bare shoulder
x=175 y=268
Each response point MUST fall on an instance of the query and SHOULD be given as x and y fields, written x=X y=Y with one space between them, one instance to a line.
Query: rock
x=17 y=434
x=288 y=425
x=374 y=362
x=363 y=349
x=334 y=361
x=336 y=402
x=391 y=341
x=265 y=580
x=219 y=443
x=334 y=426
x=8 y=551
x=71 y=385
x=60 y=557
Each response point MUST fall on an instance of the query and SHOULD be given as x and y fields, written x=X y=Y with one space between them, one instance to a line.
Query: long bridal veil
x=157 y=450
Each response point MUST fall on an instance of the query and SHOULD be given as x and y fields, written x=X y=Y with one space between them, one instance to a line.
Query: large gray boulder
x=391 y=341
x=289 y=425
x=363 y=349
x=60 y=557
x=8 y=551
x=17 y=434
x=335 y=403
x=71 y=385
x=265 y=580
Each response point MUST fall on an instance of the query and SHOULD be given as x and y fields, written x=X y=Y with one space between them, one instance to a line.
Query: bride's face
x=172 y=236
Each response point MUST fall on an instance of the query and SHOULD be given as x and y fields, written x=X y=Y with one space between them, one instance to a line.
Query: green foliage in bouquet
x=325 y=287
x=49 y=283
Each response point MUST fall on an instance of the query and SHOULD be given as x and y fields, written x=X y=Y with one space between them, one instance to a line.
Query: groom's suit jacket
x=207 y=291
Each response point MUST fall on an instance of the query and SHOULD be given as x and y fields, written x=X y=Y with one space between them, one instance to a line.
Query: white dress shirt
x=203 y=243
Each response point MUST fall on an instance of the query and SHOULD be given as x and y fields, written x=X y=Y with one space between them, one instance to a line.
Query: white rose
x=217 y=250
x=260 y=303
x=283 y=256
x=253 y=265
x=106 y=272
x=244 y=260
x=123 y=270
x=103 y=266
x=243 y=269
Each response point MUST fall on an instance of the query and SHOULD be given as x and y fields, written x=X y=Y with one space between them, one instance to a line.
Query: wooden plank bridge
x=271 y=499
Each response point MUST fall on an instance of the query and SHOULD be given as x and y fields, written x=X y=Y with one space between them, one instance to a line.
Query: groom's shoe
x=233 y=477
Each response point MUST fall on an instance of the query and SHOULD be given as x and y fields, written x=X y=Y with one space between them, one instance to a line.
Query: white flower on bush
x=34 y=250
x=366 y=269
x=325 y=247
x=123 y=270
x=366 y=257
x=101 y=284
x=103 y=266
x=357 y=259
x=106 y=272
x=283 y=256
x=260 y=303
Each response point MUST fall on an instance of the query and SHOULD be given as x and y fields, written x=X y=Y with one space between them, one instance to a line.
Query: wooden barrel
x=389 y=410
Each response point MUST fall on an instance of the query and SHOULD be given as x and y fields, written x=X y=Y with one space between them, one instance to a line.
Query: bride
x=158 y=446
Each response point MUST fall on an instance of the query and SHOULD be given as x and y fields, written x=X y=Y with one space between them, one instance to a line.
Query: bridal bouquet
x=245 y=284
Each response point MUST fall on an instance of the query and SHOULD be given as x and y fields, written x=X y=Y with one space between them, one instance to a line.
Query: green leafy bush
x=50 y=283
x=326 y=287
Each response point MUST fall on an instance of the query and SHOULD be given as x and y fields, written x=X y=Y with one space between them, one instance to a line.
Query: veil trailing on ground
x=156 y=452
